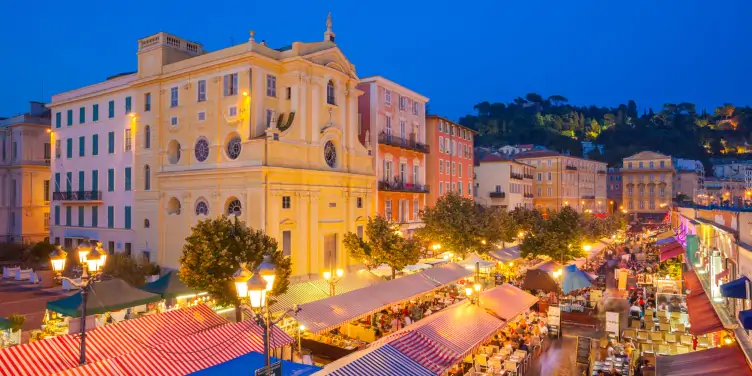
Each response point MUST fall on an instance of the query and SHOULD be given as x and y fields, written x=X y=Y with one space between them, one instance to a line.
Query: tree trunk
x=394 y=273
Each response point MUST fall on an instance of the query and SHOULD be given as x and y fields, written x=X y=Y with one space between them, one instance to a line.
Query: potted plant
x=16 y=322
x=151 y=271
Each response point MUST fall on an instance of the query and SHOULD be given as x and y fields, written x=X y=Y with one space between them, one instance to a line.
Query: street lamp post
x=92 y=262
x=253 y=287
x=332 y=279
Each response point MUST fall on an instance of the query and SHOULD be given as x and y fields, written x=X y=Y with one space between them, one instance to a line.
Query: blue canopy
x=249 y=363
x=665 y=241
x=574 y=279
x=745 y=317
x=736 y=288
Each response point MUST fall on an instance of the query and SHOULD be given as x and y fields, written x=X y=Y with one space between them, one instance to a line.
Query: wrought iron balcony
x=515 y=176
x=409 y=144
x=398 y=186
x=497 y=194
x=601 y=172
x=571 y=168
x=588 y=197
x=528 y=176
x=77 y=196
x=528 y=195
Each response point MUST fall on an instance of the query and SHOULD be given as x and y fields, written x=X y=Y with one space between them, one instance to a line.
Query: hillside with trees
x=677 y=129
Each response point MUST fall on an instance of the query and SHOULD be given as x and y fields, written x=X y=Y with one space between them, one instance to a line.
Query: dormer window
x=330 y=93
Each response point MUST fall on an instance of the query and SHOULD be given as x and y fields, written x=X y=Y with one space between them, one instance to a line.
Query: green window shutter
x=70 y=117
x=57 y=216
x=82 y=115
x=69 y=148
x=127 y=105
x=111 y=142
x=68 y=215
x=69 y=182
x=82 y=146
x=58 y=119
x=95 y=112
x=81 y=216
x=110 y=217
x=81 y=182
x=57 y=182
x=95 y=144
x=111 y=109
x=95 y=216
x=128 y=217
x=95 y=180
x=111 y=180
x=127 y=178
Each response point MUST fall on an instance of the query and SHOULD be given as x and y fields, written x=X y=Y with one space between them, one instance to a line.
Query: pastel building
x=25 y=176
x=393 y=125
x=648 y=180
x=563 y=180
x=504 y=183
x=451 y=163
x=269 y=136
x=93 y=130
x=614 y=190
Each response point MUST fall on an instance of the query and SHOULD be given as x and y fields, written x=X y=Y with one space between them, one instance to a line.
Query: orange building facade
x=450 y=164
x=393 y=127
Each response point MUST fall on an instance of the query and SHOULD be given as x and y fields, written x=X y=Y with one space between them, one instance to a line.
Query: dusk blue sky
x=457 y=53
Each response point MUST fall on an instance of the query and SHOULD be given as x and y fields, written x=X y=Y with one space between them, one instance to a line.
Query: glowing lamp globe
x=242 y=276
x=476 y=287
x=268 y=272
x=468 y=291
x=340 y=273
x=94 y=261
x=57 y=258
x=256 y=291
x=327 y=275
x=83 y=250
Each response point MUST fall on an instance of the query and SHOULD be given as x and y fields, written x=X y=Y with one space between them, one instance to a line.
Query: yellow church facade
x=267 y=135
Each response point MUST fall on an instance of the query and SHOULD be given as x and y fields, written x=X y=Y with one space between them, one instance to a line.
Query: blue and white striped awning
x=381 y=361
x=506 y=254
x=311 y=291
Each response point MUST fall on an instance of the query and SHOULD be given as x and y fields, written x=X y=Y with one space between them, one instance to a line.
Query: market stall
x=108 y=302
x=8 y=336
x=175 y=293
x=727 y=360
x=342 y=324
x=473 y=261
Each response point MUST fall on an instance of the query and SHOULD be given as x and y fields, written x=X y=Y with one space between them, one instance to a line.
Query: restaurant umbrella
x=536 y=279
x=574 y=279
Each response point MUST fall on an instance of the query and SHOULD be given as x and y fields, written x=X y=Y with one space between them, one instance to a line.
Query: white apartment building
x=504 y=182
x=92 y=165
x=25 y=176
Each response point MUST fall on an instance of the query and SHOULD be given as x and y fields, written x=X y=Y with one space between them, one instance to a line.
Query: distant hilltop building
x=515 y=149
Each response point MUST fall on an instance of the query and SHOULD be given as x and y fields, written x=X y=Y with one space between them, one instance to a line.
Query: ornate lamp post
x=333 y=279
x=92 y=262
x=252 y=288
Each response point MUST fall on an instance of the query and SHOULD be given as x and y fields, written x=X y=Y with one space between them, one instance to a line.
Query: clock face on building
x=330 y=154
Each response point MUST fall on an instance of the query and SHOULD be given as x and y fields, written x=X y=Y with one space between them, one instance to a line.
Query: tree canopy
x=676 y=129
x=458 y=225
x=383 y=244
x=215 y=250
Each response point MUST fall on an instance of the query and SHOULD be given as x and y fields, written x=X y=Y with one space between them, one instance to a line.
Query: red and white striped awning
x=38 y=358
x=133 y=335
x=201 y=350
x=103 y=368
x=425 y=352
x=507 y=301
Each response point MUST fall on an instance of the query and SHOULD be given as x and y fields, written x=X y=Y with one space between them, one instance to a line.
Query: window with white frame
x=388 y=209
x=459 y=189
x=201 y=90
x=469 y=188
x=402 y=103
x=416 y=173
x=57 y=148
x=128 y=139
x=459 y=170
x=416 y=108
x=232 y=111
x=388 y=97
x=174 y=97
x=271 y=86
x=286 y=204
x=402 y=211
x=174 y=121
x=441 y=144
x=550 y=192
x=402 y=129
x=416 y=210
x=330 y=93
x=231 y=84
x=388 y=125
x=441 y=166
x=441 y=189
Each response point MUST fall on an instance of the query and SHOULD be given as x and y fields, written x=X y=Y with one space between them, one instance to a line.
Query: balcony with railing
x=571 y=168
x=528 y=195
x=399 y=186
x=601 y=172
x=588 y=197
x=404 y=143
x=528 y=176
x=78 y=196
x=497 y=194
x=514 y=175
